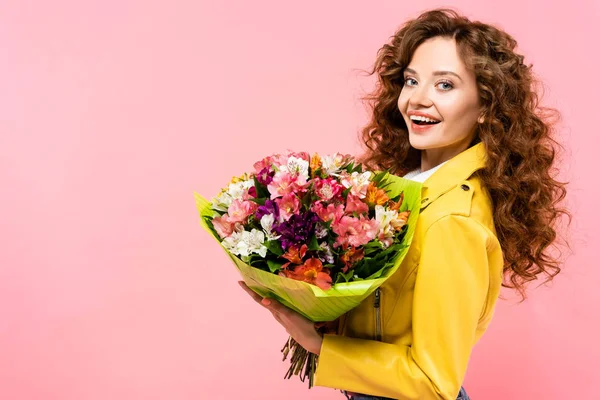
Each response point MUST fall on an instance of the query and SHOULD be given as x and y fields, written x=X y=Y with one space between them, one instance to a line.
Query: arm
x=450 y=293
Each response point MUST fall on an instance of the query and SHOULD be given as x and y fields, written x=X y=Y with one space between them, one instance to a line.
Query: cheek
x=403 y=102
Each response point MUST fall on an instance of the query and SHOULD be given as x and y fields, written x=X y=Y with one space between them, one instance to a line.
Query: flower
x=267 y=222
x=288 y=205
x=355 y=231
x=389 y=223
x=245 y=243
x=400 y=220
x=237 y=189
x=297 y=230
x=321 y=230
x=351 y=257
x=315 y=164
x=310 y=272
x=355 y=205
x=356 y=182
x=263 y=164
x=327 y=188
x=331 y=213
x=392 y=205
x=270 y=207
x=265 y=176
x=296 y=167
x=332 y=164
x=223 y=225
x=325 y=254
x=285 y=183
x=239 y=210
x=375 y=196
x=294 y=255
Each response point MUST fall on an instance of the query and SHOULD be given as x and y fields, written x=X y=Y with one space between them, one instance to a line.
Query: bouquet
x=318 y=234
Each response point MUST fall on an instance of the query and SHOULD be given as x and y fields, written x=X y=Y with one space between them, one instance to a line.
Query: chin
x=421 y=142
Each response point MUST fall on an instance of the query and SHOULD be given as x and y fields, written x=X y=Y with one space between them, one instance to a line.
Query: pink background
x=112 y=113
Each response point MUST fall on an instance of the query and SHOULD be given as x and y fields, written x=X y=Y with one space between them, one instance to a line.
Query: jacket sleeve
x=450 y=294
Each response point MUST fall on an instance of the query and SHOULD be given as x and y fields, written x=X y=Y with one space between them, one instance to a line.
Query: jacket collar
x=453 y=173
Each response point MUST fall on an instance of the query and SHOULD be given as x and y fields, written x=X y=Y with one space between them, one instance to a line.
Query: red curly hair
x=517 y=134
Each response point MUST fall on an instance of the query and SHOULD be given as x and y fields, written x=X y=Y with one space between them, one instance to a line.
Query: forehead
x=436 y=54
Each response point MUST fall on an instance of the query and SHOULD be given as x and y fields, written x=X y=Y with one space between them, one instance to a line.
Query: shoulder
x=466 y=204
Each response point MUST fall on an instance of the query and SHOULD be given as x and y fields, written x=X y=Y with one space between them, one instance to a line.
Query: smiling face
x=438 y=85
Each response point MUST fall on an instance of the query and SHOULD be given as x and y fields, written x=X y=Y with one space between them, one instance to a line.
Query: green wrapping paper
x=309 y=300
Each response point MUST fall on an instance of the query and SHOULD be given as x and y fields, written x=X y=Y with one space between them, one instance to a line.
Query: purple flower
x=270 y=207
x=297 y=230
x=265 y=176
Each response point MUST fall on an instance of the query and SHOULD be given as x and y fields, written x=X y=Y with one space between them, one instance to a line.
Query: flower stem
x=302 y=363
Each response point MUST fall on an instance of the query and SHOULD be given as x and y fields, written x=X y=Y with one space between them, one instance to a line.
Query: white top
x=419 y=176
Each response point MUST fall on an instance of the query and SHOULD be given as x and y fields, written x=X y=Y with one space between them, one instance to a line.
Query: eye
x=445 y=85
x=409 y=81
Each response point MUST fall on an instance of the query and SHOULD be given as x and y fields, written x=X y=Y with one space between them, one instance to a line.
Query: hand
x=300 y=328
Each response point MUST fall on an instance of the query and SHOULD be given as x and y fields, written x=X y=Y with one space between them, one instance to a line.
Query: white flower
x=332 y=164
x=296 y=165
x=222 y=202
x=244 y=243
x=385 y=218
x=255 y=240
x=267 y=224
x=358 y=182
x=237 y=190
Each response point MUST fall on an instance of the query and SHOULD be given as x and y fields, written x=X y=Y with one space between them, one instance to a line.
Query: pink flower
x=288 y=206
x=224 y=226
x=327 y=188
x=303 y=155
x=331 y=213
x=356 y=182
x=284 y=183
x=240 y=210
x=262 y=164
x=355 y=205
x=355 y=231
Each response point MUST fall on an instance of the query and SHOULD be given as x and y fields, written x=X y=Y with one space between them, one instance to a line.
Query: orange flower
x=311 y=272
x=351 y=257
x=392 y=205
x=315 y=164
x=376 y=196
x=400 y=220
x=294 y=255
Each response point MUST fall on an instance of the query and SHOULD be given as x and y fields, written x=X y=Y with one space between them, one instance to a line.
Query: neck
x=431 y=158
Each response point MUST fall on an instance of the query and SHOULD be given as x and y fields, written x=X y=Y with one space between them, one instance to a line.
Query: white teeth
x=424 y=119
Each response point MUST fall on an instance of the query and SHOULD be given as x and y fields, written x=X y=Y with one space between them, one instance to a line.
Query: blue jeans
x=462 y=395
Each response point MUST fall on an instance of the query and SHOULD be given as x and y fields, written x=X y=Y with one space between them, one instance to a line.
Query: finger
x=258 y=298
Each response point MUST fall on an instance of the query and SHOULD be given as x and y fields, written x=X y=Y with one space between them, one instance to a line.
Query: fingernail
x=266 y=301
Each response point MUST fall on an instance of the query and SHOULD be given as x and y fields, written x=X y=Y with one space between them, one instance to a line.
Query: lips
x=421 y=128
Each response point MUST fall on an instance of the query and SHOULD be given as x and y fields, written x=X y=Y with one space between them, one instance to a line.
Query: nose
x=419 y=97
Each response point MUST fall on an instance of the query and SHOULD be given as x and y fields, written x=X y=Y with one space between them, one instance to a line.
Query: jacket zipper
x=377 y=306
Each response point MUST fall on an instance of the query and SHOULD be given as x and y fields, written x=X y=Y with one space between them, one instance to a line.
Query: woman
x=456 y=109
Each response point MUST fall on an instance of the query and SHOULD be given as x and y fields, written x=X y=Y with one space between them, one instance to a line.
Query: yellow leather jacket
x=413 y=337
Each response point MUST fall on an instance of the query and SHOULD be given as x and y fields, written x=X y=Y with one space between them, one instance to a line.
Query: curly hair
x=517 y=134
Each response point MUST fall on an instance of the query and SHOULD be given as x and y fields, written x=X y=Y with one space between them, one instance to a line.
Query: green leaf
x=344 y=277
x=261 y=191
x=274 y=247
x=260 y=201
x=313 y=244
x=274 y=266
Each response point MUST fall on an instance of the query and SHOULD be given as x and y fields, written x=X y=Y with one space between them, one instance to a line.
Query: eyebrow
x=436 y=73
